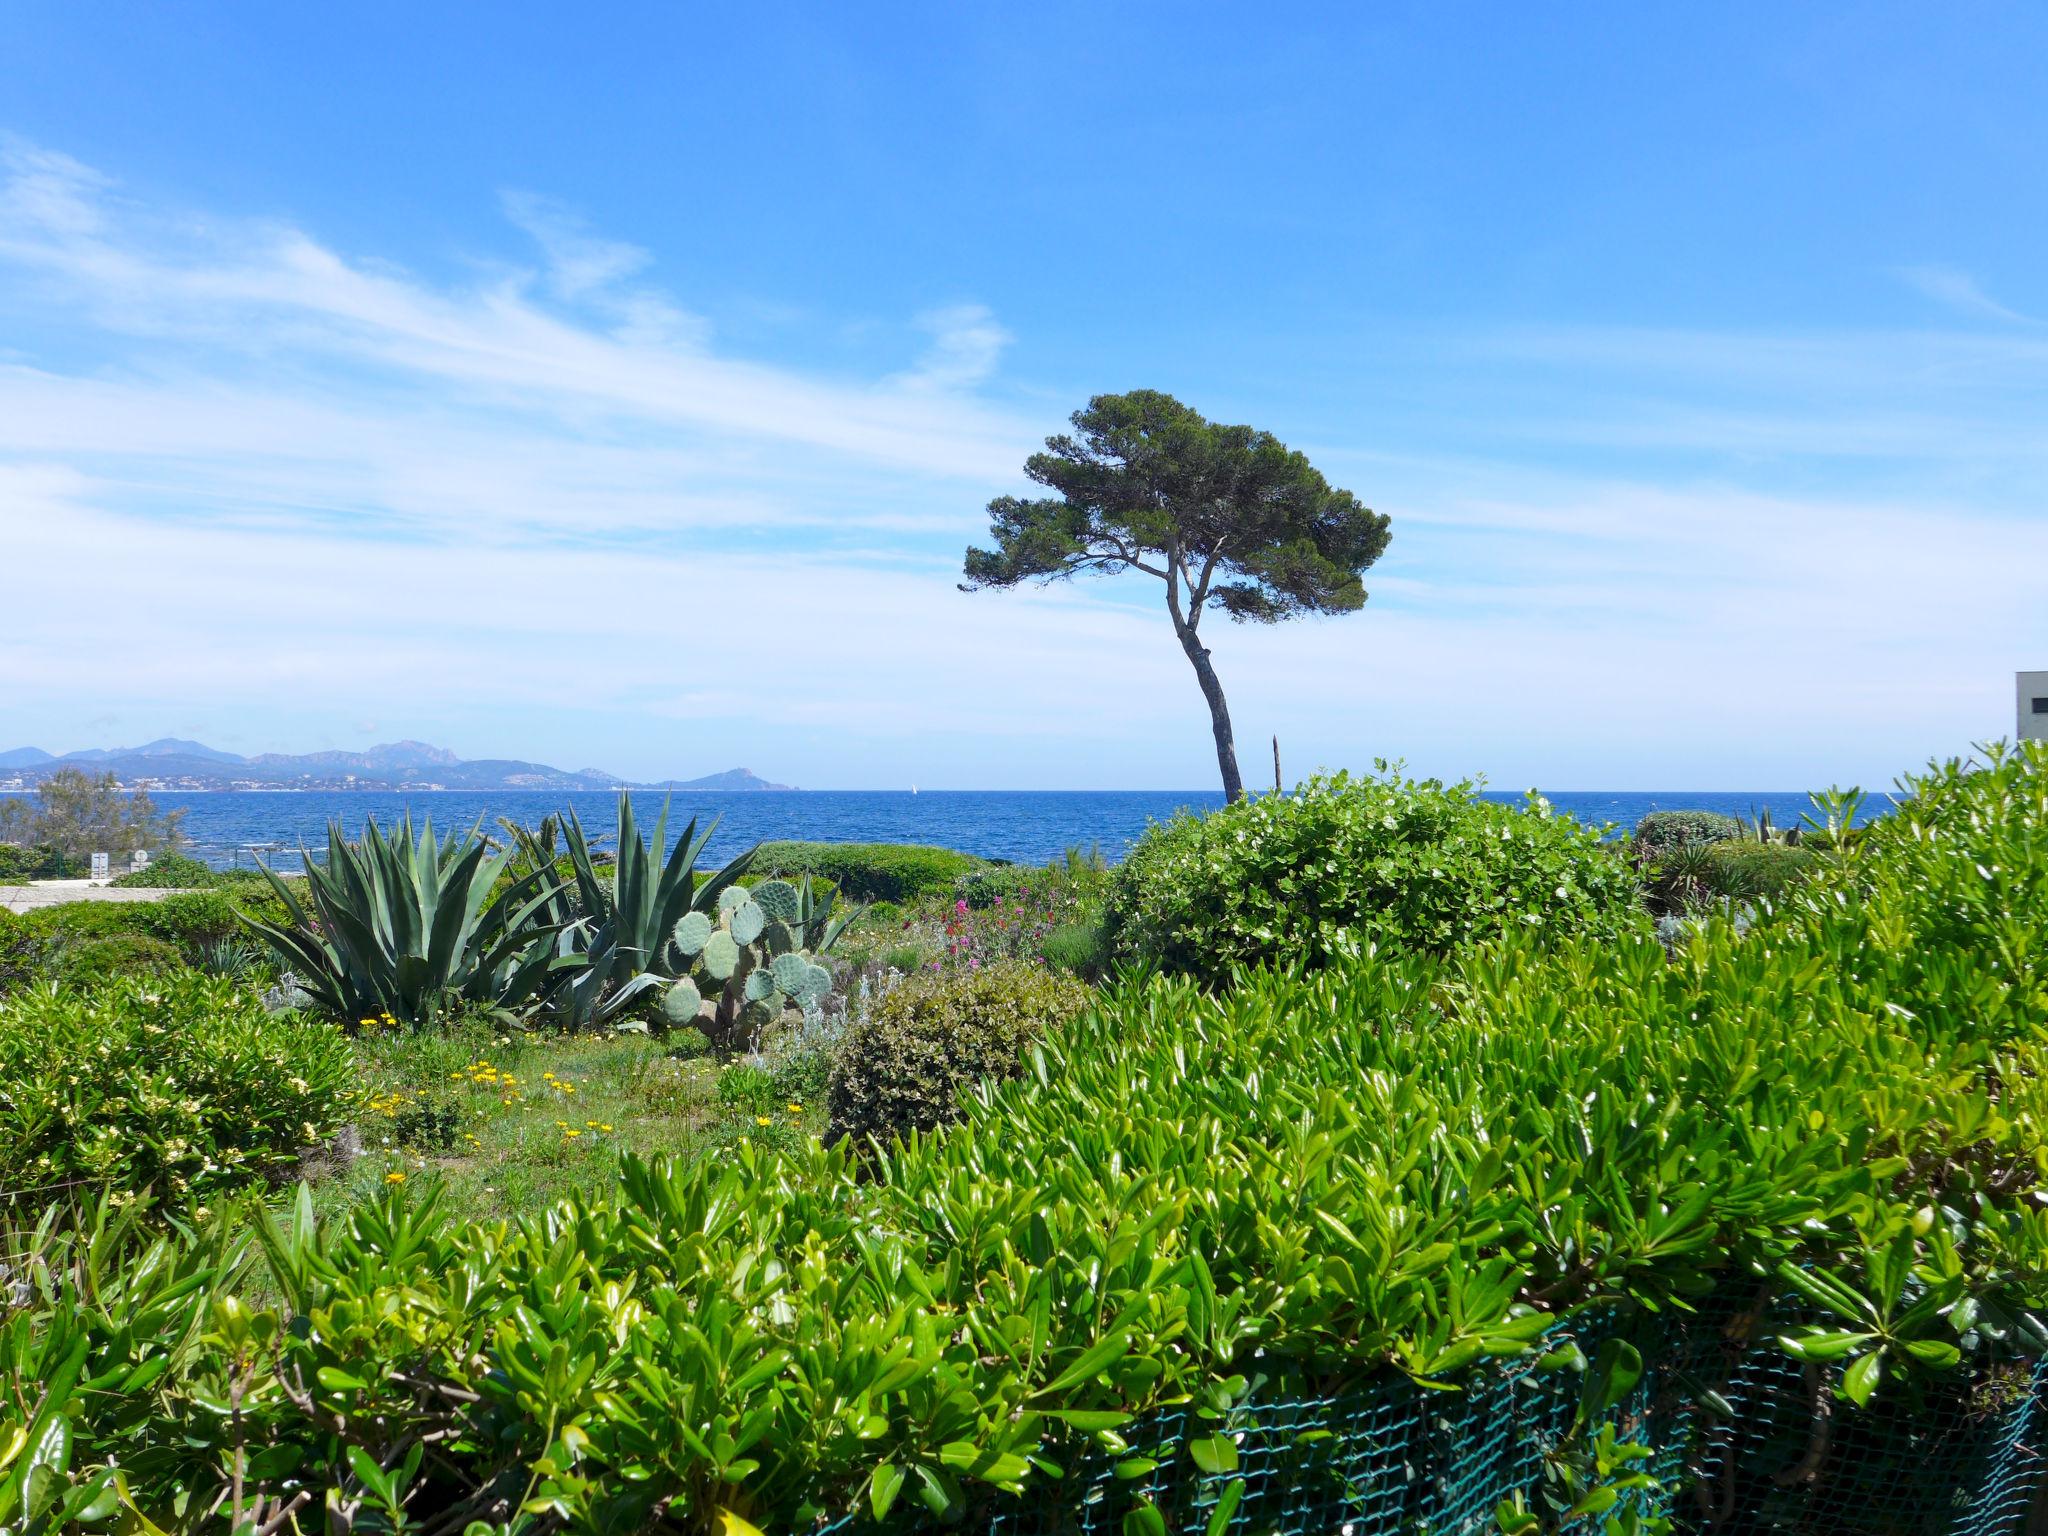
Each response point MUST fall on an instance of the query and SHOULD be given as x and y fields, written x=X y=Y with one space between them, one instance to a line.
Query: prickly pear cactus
x=777 y=898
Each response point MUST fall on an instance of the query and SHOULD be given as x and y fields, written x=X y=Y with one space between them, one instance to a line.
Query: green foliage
x=20 y=952
x=1830 y=1132
x=1746 y=871
x=79 y=814
x=1341 y=866
x=179 y=1084
x=620 y=939
x=868 y=871
x=90 y=961
x=1081 y=949
x=174 y=871
x=19 y=863
x=407 y=926
x=905 y=1062
x=1661 y=831
x=1218 y=514
x=751 y=967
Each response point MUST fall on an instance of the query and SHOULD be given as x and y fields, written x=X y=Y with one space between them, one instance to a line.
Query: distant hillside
x=732 y=778
x=171 y=764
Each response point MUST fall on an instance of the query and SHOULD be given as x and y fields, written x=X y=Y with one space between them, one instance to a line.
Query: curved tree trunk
x=1219 y=712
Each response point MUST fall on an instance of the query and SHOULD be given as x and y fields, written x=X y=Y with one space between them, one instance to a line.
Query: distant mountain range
x=169 y=763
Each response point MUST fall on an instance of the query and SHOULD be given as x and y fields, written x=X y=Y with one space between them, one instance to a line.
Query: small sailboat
x=913 y=789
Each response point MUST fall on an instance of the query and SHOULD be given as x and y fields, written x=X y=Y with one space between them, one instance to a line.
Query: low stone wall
x=50 y=893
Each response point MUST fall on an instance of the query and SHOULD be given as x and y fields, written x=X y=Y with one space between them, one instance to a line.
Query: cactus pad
x=679 y=1004
x=759 y=984
x=721 y=955
x=731 y=897
x=789 y=971
x=745 y=922
x=693 y=929
x=778 y=899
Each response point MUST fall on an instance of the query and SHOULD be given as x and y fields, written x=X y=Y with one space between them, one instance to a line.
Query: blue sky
x=619 y=387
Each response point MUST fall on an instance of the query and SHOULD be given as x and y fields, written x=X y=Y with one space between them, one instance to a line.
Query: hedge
x=869 y=871
x=1395 y=1168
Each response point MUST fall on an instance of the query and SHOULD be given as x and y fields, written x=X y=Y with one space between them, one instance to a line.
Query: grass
x=511 y=1122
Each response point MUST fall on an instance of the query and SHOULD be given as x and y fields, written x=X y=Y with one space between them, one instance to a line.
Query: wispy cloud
x=546 y=510
x=967 y=343
x=257 y=290
x=1958 y=290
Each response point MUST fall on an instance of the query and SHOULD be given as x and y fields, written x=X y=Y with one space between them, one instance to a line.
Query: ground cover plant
x=508 y=1122
x=1340 y=866
x=1827 y=1132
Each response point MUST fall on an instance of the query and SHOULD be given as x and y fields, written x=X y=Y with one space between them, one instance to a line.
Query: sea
x=230 y=827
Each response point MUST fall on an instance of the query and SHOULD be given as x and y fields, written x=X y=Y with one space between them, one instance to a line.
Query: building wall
x=2033 y=701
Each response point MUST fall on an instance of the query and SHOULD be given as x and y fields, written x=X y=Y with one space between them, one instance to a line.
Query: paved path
x=50 y=893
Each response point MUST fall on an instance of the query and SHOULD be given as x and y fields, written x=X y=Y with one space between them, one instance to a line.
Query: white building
x=2033 y=692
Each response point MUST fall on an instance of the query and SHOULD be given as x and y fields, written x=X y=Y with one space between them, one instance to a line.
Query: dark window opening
x=2041 y=706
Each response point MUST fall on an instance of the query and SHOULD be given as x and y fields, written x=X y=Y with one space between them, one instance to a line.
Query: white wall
x=2032 y=686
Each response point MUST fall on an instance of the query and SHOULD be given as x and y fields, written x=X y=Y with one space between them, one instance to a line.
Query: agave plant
x=402 y=925
x=620 y=931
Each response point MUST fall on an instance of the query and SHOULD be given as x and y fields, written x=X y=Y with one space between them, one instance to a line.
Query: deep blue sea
x=1022 y=825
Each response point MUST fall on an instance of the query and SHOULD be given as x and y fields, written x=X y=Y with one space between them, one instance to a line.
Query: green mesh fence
x=1745 y=1439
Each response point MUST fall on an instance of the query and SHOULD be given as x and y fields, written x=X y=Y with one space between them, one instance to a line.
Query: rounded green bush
x=1661 y=831
x=1081 y=949
x=1757 y=871
x=1343 y=864
x=904 y=1064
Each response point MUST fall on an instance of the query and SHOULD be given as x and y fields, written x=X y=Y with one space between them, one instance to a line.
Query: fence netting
x=1741 y=1437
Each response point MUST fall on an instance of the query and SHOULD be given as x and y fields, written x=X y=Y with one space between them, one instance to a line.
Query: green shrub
x=905 y=1062
x=868 y=871
x=1079 y=948
x=1342 y=865
x=1661 y=831
x=1743 y=872
x=20 y=862
x=1192 y=1203
x=20 y=952
x=181 y=1084
x=189 y=920
x=174 y=871
x=87 y=962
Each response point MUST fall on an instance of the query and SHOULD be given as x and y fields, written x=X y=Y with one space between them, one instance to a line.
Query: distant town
x=176 y=766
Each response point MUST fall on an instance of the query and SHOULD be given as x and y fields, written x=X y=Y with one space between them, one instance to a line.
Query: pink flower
x=960 y=906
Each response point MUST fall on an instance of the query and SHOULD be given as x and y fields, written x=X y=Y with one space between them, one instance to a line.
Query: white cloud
x=967 y=343
x=256 y=291
x=543 y=514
